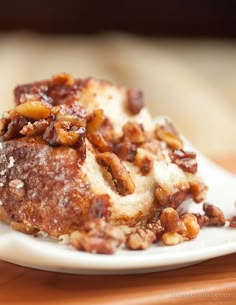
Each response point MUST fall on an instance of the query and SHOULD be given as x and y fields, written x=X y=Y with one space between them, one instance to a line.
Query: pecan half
x=134 y=101
x=185 y=160
x=215 y=215
x=166 y=132
x=35 y=110
x=122 y=180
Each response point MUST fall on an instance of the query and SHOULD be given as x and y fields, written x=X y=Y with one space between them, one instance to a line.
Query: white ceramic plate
x=46 y=254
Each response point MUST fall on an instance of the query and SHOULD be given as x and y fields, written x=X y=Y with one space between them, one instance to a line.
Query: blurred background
x=181 y=53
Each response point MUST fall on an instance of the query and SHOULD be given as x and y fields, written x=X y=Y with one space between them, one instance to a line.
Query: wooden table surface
x=211 y=282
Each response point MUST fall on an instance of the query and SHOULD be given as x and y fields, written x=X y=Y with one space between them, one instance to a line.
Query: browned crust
x=57 y=195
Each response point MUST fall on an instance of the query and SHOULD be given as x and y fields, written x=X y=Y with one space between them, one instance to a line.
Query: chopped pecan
x=14 y=127
x=134 y=133
x=100 y=131
x=172 y=238
x=215 y=215
x=191 y=226
x=170 y=220
x=156 y=228
x=185 y=160
x=144 y=161
x=62 y=78
x=140 y=239
x=121 y=178
x=34 y=129
x=17 y=187
x=198 y=190
x=126 y=151
x=100 y=206
x=74 y=113
x=98 y=140
x=35 y=110
x=67 y=134
x=63 y=133
x=98 y=237
x=164 y=198
x=202 y=220
x=134 y=101
x=166 y=132
x=50 y=135
x=95 y=120
x=232 y=222
x=62 y=89
x=3 y=125
x=154 y=147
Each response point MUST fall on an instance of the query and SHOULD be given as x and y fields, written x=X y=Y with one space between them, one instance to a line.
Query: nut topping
x=185 y=160
x=168 y=134
x=140 y=239
x=34 y=129
x=14 y=127
x=98 y=237
x=134 y=133
x=215 y=215
x=202 y=220
x=3 y=126
x=126 y=151
x=144 y=161
x=191 y=226
x=121 y=178
x=134 y=101
x=172 y=238
x=63 y=78
x=170 y=220
x=100 y=131
x=35 y=110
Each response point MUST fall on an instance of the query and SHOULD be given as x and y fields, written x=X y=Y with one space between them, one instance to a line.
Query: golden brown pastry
x=84 y=158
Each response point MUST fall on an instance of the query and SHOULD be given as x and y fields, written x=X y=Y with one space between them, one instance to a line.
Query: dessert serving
x=81 y=160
